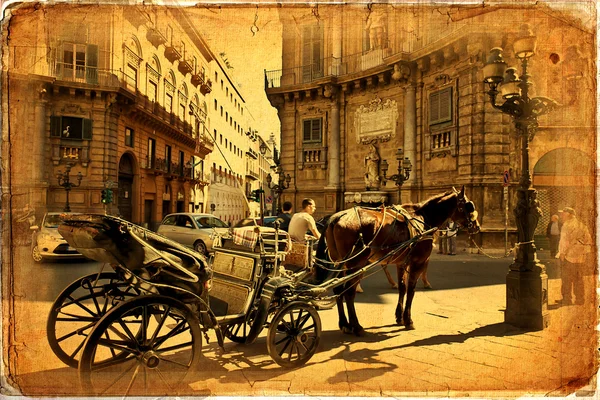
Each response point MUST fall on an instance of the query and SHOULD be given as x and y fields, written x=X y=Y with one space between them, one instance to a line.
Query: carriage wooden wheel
x=158 y=357
x=78 y=308
x=238 y=331
x=294 y=334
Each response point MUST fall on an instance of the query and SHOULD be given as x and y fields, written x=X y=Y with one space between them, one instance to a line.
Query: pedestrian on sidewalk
x=553 y=234
x=452 y=232
x=442 y=240
x=574 y=246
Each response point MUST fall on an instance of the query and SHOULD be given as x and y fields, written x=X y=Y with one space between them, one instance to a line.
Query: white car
x=47 y=243
x=193 y=230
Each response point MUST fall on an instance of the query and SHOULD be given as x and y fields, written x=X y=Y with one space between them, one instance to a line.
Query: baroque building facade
x=354 y=77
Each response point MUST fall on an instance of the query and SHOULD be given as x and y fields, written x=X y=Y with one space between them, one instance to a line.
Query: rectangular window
x=129 y=137
x=152 y=91
x=440 y=106
x=71 y=128
x=169 y=103
x=168 y=157
x=151 y=153
x=221 y=111
x=131 y=76
x=181 y=162
x=215 y=104
x=182 y=110
x=312 y=52
x=312 y=130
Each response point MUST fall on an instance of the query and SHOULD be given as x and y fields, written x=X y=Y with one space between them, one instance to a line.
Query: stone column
x=333 y=144
x=410 y=130
x=336 y=42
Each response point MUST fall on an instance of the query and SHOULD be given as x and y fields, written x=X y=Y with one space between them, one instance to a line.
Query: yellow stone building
x=409 y=77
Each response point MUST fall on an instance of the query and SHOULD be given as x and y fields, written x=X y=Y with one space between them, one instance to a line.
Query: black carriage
x=153 y=300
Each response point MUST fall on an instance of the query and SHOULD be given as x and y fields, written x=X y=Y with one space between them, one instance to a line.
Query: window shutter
x=316 y=130
x=306 y=132
x=445 y=107
x=434 y=110
x=306 y=53
x=87 y=129
x=317 y=41
x=55 y=126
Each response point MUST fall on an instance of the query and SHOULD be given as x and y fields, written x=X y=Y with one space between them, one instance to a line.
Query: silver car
x=193 y=230
x=47 y=243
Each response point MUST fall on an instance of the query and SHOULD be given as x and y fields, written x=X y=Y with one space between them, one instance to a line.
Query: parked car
x=251 y=222
x=192 y=230
x=47 y=243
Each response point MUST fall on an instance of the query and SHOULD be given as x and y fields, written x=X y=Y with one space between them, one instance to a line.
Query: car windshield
x=52 y=221
x=210 y=222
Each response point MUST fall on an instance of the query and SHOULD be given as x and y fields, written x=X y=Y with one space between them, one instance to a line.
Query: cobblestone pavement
x=460 y=346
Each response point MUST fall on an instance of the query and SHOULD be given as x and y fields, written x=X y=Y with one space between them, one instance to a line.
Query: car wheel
x=35 y=253
x=200 y=247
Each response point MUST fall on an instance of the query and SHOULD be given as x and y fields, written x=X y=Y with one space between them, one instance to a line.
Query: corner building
x=107 y=91
x=411 y=77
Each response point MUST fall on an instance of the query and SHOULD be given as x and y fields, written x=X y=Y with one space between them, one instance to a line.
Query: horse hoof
x=394 y=286
x=399 y=321
x=428 y=287
x=347 y=330
x=410 y=327
x=360 y=332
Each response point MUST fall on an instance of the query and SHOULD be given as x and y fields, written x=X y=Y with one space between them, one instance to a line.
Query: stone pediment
x=376 y=121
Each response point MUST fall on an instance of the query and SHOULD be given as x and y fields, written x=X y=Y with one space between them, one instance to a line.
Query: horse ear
x=462 y=192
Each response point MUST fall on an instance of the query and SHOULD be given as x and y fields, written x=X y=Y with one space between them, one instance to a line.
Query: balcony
x=312 y=157
x=172 y=54
x=155 y=37
x=206 y=87
x=185 y=67
x=252 y=175
x=252 y=154
x=197 y=79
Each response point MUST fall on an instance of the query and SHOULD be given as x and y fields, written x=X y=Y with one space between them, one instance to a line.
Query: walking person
x=442 y=240
x=574 y=246
x=553 y=234
x=451 y=237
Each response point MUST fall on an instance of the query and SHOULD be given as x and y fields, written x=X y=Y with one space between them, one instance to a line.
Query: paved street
x=460 y=346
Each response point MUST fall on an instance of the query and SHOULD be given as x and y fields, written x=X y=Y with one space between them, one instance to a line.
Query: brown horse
x=358 y=236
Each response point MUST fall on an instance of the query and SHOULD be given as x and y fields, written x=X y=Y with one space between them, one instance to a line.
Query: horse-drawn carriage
x=142 y=323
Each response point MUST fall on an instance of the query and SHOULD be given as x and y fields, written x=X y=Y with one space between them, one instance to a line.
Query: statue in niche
x=372 y=169
x=376 y=28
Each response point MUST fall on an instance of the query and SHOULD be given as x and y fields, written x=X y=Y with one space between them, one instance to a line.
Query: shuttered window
x=440 y=106
x=312 y=130
x=312 y=52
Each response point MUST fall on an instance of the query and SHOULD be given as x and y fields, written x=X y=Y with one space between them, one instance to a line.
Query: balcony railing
x=92 y=75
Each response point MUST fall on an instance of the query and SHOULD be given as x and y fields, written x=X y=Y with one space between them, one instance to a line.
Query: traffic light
x=107 y=196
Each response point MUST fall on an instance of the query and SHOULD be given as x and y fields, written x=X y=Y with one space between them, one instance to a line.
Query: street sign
x=269 y=200
x=506 y=178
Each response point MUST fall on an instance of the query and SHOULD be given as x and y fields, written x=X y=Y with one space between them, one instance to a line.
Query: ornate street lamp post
x=404 y=168
x=526 y=282
x=64 y=180
x=276 y=190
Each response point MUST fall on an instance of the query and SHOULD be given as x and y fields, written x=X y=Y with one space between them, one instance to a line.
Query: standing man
x=303 y=222
x=452 y=233
x=553 y=234
x=575 y=243
x=285 y=217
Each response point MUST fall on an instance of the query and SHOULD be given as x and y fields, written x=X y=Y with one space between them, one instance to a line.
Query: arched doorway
x=564 y=177
x=126 y=173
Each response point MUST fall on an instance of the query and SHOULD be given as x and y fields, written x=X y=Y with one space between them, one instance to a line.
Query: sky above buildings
x=248 y=39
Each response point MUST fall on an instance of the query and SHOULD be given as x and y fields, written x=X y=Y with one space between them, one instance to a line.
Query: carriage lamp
x=526 y=282
x=263 y=148
x=404 y=168
x=64 y=180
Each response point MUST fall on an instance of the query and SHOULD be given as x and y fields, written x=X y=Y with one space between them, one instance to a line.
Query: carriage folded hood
x=113 y=240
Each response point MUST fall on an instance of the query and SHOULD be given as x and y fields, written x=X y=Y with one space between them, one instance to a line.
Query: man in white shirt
x=575 y=244
x=303 y=222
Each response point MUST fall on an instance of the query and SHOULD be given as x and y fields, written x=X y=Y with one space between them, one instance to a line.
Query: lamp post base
x=527 y=298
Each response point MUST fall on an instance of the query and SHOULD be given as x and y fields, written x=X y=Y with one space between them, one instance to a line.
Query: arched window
x=153 y=72
x=183 y=99
x=132 y=57
x=169 y=90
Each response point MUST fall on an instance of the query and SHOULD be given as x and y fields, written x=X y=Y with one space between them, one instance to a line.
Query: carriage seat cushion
x=246 y=236
x=297 y=257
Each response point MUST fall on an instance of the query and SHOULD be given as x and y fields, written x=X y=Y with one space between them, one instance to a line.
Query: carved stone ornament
x=376 y=121
x=374 y=197
x=72 y=109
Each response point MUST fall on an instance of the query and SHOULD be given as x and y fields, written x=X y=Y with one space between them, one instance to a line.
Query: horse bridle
x=467 y=208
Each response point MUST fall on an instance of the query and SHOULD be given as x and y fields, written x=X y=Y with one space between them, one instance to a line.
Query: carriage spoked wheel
x=238 y=331
x=294 y=334
x=78 y=308
x=159 y=357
